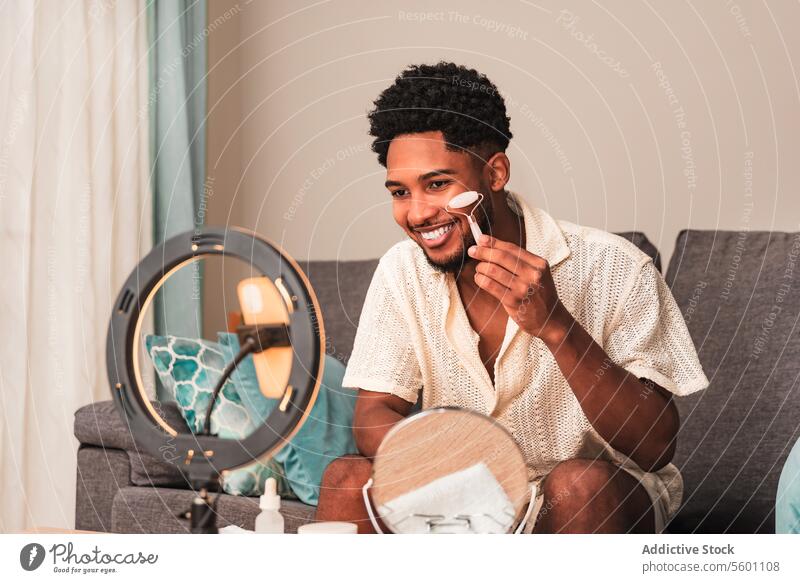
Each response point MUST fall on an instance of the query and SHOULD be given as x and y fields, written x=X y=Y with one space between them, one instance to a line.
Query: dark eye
x=439 y=184
x=398 y=193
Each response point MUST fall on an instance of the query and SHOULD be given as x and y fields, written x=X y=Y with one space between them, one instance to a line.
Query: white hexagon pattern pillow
x=189 y=369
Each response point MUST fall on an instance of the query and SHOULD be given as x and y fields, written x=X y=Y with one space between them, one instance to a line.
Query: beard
x=484 y=215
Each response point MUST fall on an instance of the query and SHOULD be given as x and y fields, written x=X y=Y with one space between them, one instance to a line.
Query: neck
x=506 y=226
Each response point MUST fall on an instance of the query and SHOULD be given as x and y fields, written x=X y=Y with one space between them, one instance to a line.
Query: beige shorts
x=647 y=481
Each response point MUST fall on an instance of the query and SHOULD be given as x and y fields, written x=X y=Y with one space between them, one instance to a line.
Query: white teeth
x=437 y=233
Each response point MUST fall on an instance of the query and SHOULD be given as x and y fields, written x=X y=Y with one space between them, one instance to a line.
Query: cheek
x=400 y=214
x=463 y=226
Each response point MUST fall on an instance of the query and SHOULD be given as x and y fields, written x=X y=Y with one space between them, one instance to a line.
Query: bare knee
x=340 y=496
x=347 y=473
x=579 y=478
x=583 y=495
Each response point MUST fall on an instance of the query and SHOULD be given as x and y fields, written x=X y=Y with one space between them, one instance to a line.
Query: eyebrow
x=421 y=177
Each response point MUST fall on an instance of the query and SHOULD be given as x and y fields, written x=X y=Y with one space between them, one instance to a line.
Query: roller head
x=464 y=199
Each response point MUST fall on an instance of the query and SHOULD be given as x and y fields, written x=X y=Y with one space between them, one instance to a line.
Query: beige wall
x=692 y=122
x=223 y=152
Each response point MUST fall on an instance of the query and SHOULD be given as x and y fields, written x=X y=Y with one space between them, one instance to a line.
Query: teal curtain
x=177 y=35
x=177 y=52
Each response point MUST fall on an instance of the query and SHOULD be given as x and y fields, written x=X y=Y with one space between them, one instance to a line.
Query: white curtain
x=75 y=218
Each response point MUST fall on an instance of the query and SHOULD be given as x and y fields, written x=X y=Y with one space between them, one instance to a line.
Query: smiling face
x=422 y=176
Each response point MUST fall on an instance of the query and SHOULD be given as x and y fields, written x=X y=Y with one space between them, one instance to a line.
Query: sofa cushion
x=155 y=510
x=740 y=295
x=341 y=287
x=642 y=242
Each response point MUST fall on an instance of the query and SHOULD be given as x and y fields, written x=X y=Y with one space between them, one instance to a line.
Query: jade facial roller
x=462 y=201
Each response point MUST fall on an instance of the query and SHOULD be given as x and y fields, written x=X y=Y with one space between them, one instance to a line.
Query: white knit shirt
x=414 y=335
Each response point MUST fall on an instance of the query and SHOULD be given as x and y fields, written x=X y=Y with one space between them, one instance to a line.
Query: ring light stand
x=204 y=458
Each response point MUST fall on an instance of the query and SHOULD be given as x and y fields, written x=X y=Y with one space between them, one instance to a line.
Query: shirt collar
x=543 y=236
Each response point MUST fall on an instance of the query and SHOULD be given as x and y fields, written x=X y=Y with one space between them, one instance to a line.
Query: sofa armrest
x=101 y=473
x=100 y=425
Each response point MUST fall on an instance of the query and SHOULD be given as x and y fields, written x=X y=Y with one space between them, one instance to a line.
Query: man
x=566 y=335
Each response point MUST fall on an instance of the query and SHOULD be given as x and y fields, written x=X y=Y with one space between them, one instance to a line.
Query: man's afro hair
x=461 y=103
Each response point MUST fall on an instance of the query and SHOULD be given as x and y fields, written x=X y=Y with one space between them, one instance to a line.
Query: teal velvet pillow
x=189 y=369
x=326 y=434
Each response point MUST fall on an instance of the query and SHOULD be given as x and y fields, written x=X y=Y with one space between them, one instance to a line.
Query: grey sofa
x=734 y=438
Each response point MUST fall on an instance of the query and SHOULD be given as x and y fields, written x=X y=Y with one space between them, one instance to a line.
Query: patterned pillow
x=189 y=368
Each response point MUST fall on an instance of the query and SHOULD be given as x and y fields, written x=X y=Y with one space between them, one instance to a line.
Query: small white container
x=328 y=528
x=269 y=520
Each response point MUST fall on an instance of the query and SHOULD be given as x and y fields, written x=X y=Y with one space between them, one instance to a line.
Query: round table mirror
x=449 y=470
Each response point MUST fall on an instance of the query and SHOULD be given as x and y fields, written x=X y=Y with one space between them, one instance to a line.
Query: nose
x=422 y=210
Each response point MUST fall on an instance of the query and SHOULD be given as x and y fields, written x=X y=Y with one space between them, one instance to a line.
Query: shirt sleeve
x=383 y=357
x=649 y=337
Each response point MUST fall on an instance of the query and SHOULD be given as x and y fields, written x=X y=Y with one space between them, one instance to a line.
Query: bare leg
x=593 y=496
x=340 y=496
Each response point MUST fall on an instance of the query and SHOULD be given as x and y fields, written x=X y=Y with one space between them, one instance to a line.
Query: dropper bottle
x=270 y=519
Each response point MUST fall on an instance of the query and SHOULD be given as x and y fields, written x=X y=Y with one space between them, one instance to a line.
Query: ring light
x=203 y=458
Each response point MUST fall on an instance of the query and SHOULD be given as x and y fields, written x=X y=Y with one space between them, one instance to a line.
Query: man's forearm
x=634 y=418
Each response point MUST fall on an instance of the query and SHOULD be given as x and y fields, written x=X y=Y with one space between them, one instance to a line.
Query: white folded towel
x=472 y=493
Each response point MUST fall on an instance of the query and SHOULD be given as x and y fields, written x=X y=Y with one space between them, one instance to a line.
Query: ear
x=498 y=171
